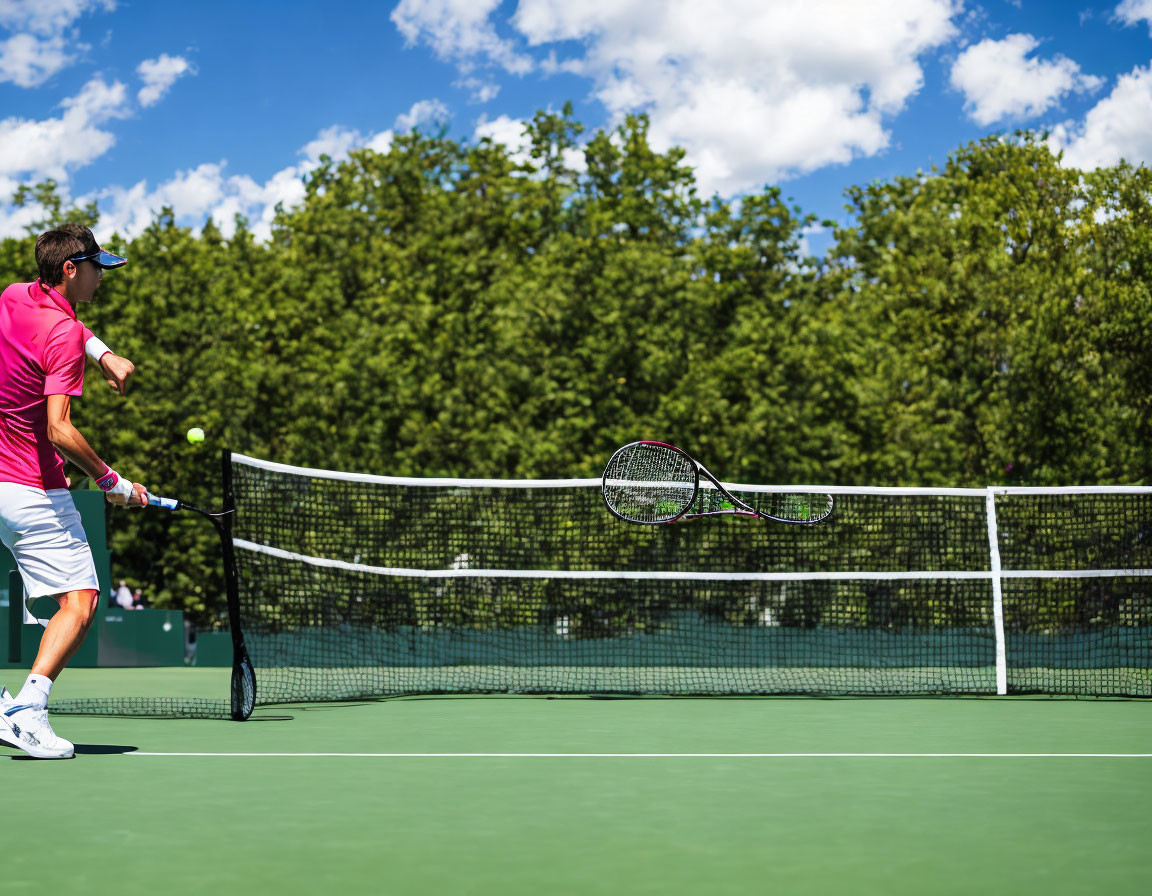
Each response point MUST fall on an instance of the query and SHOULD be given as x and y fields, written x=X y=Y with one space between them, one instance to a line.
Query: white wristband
x=112 y=483
x=96 y=349
x=123 y=487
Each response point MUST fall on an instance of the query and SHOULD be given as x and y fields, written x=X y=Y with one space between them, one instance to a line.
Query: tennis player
x=42 y=348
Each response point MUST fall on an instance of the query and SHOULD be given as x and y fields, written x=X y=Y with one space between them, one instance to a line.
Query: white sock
x=35 y=691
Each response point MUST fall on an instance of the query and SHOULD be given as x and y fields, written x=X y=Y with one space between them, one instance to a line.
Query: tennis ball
x=195 y=434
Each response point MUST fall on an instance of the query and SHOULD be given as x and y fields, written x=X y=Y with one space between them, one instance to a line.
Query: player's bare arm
x=70 y=442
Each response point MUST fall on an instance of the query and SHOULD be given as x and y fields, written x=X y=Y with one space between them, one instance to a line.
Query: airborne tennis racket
x=652 y=482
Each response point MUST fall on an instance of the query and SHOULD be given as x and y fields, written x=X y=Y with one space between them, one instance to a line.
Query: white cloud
x=510 y=132
x=999 y=80
x=505 y=130
x=502 y=129
x=380 y=142
x=1133 y=12
x=40 y=41
x=755 y=90
x=32 y=150
x=1118 y=127
x=334 y=142
x=337 y=141
x=45 y=17
x=196 y=194
x=14 y=222
x=482 y=90
x=159 y=75
x=37 y=149
x=459 y=31
x=423 y=112
x=29 y=61
x=98 y=101
x=208 y=190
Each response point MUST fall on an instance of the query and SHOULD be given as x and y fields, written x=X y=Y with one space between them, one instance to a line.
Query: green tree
x=450 y=308
x=981 y=361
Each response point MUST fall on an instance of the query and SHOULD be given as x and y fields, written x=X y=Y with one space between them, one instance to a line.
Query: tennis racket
x=652 y=482
x=177 y=504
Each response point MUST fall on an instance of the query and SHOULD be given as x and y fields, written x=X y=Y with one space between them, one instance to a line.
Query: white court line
x=665 y=755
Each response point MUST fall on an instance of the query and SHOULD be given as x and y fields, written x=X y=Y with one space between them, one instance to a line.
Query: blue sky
x=216 y=108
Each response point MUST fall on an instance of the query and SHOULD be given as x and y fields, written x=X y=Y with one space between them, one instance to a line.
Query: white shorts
x=42 y=530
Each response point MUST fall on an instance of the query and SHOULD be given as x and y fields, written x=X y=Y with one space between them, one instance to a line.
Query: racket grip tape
x=164 y=503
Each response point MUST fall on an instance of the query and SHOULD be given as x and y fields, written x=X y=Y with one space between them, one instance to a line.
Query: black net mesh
x=489 y=588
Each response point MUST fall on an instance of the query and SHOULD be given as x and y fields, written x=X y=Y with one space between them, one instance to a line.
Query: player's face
x=86 y=279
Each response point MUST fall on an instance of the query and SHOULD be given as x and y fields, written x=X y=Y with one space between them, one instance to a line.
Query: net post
x=997 y=593
x=15 y=615
x=243 y=692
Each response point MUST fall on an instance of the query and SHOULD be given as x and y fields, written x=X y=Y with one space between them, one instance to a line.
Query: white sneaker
x=27 y=728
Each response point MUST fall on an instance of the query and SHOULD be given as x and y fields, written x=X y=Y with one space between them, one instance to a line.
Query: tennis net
x=354 y=586
x=350 y=586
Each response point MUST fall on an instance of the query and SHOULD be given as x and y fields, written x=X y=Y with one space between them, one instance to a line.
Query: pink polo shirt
x=41 y=354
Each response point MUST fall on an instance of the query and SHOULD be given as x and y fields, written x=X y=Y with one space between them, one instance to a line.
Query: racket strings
x=795 y=507
x=649 y=483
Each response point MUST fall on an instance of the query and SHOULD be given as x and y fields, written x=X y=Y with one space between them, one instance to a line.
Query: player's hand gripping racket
x=177 y=504
x=652 y=482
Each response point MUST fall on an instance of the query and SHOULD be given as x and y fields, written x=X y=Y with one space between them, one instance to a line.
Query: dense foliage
x=447 y=308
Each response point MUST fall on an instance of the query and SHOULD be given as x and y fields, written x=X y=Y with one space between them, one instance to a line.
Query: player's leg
x=65 y=632
x=44 y=533
x=24 y=718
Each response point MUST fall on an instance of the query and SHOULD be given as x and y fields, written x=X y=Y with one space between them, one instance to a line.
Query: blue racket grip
x=165 y=503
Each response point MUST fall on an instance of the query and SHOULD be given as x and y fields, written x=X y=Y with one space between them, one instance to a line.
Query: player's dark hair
x=54 y=247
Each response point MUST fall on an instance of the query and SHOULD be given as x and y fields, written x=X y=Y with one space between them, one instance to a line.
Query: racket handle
x=165 y=503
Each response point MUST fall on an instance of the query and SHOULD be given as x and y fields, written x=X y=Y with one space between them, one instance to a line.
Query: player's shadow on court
x=82 y=750
x=103 y=749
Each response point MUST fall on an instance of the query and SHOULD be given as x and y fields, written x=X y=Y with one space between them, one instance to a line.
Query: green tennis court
x=474 y=794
